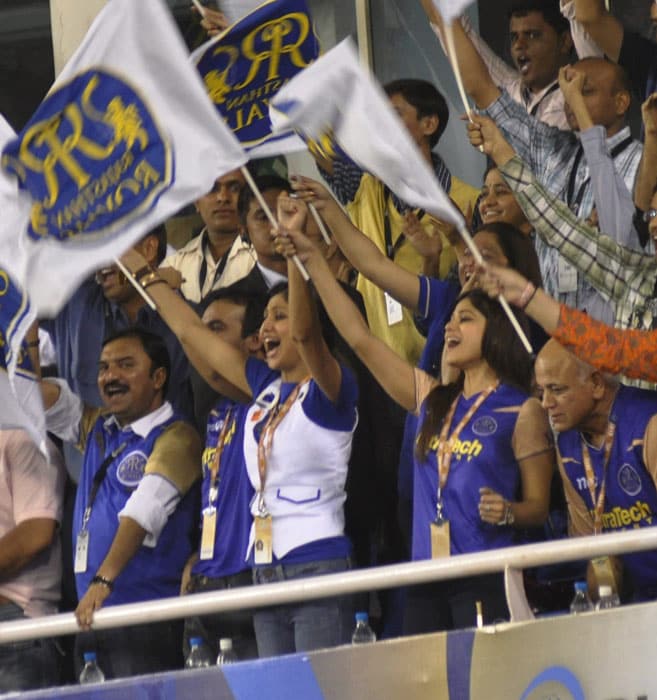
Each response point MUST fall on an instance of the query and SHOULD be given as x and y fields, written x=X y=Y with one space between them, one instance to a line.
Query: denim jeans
x=236 y=624
x=133 y=651
x=304 y=626
x=27 y=665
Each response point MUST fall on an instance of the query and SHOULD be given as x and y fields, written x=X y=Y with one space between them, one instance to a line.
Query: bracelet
x=526 y=296
x=509 y=518
x=149 y=278
x=142 y=272
x=103 y=582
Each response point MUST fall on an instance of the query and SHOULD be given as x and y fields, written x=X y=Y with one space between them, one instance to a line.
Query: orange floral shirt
x=617 y=351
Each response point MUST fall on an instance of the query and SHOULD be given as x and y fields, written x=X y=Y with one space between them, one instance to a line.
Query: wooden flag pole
x=141 y=291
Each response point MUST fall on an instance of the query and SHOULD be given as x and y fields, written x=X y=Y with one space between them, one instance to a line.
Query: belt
x=200 y=581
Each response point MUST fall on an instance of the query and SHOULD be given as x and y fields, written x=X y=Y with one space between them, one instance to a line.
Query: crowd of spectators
x=257 y=428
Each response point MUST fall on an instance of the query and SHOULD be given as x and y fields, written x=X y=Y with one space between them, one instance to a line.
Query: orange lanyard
x=599 y=503
x=266 y=441
x=446 y=444
x=216 y=462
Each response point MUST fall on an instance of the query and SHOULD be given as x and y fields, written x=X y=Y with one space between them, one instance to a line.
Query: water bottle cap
x=581 y=586
x=225 y=644
x=89 y=656
x=195 y=641
x=605 y=591
x=362 y=617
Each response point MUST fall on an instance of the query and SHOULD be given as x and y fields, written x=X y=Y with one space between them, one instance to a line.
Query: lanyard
x=266 y=440
x=446 y=444
x=574 y=200
x=216 y=462
x=99 y=477
x=393 y=248
x=203 y=272
x=599 y=503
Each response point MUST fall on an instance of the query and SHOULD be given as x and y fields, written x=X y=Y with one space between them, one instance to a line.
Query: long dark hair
x=502 y=350
x=518 y=249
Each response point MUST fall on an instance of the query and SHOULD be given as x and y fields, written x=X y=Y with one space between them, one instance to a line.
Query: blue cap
x=195 y=641
x=581 y=586
x=89 y=656
x=362 y=617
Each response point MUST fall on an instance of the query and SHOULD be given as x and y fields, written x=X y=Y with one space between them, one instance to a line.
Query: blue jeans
x=304 y=626
x=27 y=665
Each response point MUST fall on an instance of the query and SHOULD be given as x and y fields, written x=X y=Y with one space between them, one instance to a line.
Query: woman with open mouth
x=484 y=455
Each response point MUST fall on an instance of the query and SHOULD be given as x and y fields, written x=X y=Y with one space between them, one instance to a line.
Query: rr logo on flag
x=92 y=158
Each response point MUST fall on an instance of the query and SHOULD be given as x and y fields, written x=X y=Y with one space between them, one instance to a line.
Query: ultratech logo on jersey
x=92 y=157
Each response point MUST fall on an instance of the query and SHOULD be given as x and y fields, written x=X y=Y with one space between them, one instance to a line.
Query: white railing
x=361 y=580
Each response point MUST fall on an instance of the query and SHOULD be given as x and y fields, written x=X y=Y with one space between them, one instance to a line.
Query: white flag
x=451 y=9
x=21 y=405
x=335 y=97
x=125 y=138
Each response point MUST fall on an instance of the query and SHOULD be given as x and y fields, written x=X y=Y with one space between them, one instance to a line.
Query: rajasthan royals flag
x=21 y=405
x=245 y=66
x=335 y=100
x=125 y=138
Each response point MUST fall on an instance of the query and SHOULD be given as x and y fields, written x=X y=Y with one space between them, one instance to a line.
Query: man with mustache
x=134 y=519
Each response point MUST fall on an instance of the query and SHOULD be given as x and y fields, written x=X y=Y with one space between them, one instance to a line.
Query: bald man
x=566 y=163
x=606 y=434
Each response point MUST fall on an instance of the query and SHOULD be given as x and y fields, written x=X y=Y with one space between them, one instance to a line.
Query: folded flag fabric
x=125 y=138
x=451 y=9
x=21 y=405
x=245 y=66
x=335 y=97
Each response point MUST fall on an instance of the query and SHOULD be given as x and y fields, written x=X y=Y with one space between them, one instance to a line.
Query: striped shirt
x=555 y=154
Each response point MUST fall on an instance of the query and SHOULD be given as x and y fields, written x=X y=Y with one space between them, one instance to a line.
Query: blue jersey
x=153 y=572
x=234 y=492
x=631 y=496
x=482 y=456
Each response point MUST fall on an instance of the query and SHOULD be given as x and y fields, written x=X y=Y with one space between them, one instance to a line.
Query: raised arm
x=613 y=201
x=206 y=351
x=359 y=250
x=477 y=80
x=394 y=374
x=305 y=324
x=646 y=180
x=602 y=26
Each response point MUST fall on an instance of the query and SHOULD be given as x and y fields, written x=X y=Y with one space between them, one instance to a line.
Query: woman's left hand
x=492 y=506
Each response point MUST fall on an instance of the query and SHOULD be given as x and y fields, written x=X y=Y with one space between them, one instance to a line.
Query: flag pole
x=320 y=223
x=272 y=219
x=140 y=290
x=199 y=7
x=465 y=234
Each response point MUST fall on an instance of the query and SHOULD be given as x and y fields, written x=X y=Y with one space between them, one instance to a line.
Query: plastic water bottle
x=226 y=653
x=91 y=672
x=363 y=633
x=581 y=602
x=199 y=655
x=608 y=599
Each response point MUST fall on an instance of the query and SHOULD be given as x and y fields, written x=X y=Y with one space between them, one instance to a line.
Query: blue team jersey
x=482 y=456
x=153 y=572
x=631 y=496
x=234 y=492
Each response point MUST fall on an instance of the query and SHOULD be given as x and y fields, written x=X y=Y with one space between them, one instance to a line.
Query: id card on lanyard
x=439 y=529
x=209 y=526
x=80 y=562
x=263 y=548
